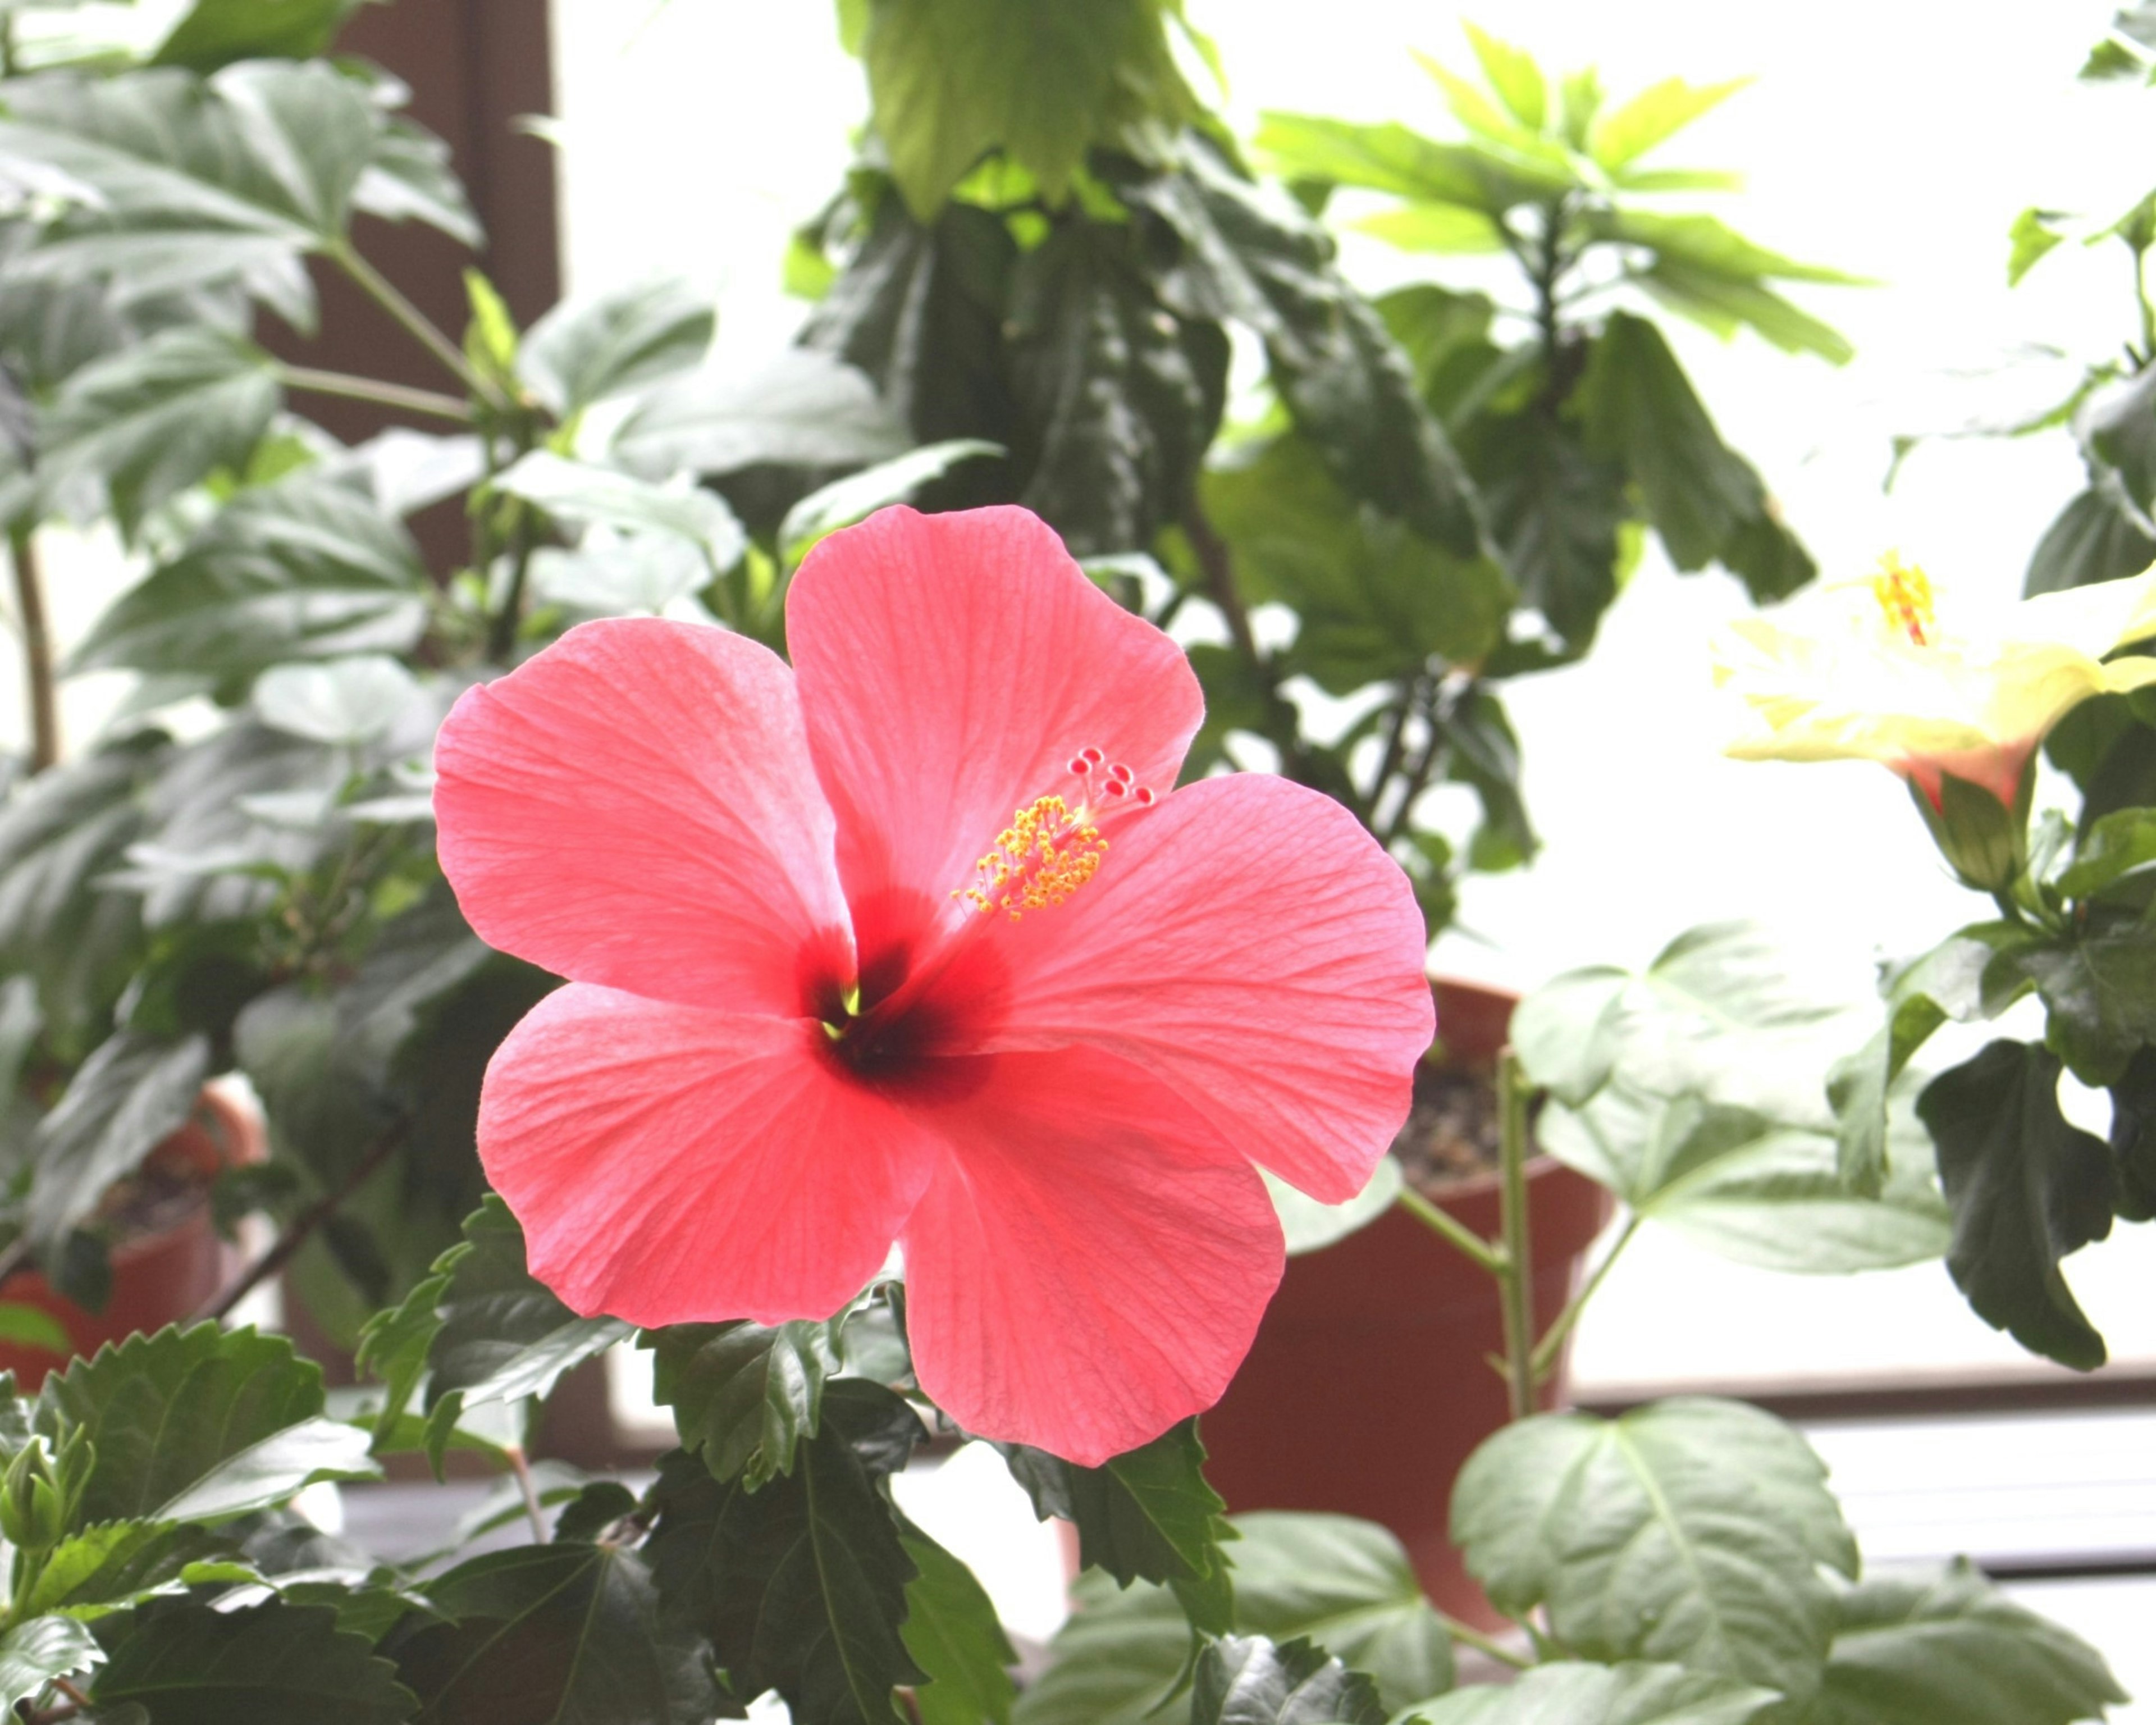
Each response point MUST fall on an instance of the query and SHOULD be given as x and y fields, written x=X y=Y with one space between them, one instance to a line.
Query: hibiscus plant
x=901 y=892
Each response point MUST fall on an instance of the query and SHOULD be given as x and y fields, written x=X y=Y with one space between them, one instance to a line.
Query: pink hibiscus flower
x=827 y=991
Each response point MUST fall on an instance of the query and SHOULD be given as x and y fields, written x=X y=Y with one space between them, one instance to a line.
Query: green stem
x=2141 y=299
x=1546 y=1349
x=348 y=387
x=501 y=632
x=386 y=294
x=1516 y=1280
x=1480 y=1643
x=39 y=673
x=1448 y=1226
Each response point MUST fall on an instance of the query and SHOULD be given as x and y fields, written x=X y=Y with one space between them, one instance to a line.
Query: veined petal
x=1090 y=1264
x=951 y=666
x=674 y=1166
x=1249 y=943
x=635 y=807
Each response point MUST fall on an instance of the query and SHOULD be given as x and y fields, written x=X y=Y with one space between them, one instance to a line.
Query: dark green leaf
x=216 y=33
x=34 y=1652
x=744 y=1396
x=271 y=1470
x=130 y=431
x=2114 y=845
x=2117 y=431
x=801 y=1585
x=1554 y=511
x=2133 y=1137
x=1345 y=1585
x=1689 y=1531
x=567 y=1634
x=130 y=1096
x=1043 y=79
x=2099 y=985
x=262 y=1665
x=1565 y=1692
x=952 y=1634
x=1858 y=1087
x=307 y=568
x=587 y=350
x=1248 y=1680
x=2027 y=1188
x=165 y=1411
x=2090 y=541
x=1948 y=1648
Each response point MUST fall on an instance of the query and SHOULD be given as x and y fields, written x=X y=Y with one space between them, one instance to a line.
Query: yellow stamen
x=1904 y=592
x=1046 y=854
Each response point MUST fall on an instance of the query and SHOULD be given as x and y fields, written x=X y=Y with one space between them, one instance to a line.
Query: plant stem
x=1443 y=1223
x=533 y=1510
x=301 y=1228
x=502 y=631
x=1480 y=1643
x=1553 y=1340
x=348 y=387
x=1516 y=1279
x=38 y=659
x=386 y=294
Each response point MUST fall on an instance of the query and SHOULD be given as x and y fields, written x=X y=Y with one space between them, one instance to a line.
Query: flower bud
x=1986 y=839
x=32 y=1507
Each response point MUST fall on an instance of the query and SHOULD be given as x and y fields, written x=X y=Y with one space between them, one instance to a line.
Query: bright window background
x=698 y=133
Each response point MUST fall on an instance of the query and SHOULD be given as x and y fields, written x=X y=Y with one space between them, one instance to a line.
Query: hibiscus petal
x=1250 y=944
x=635 y=807
x=674 y=1166
x=1092 y=1262
x=950 y=667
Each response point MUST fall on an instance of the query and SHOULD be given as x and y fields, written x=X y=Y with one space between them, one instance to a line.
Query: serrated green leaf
x=271 y=1470
x=554 y=1634
x=2027 y=1188
x=589 y=349
x=952 y=1633
x=1247 y=1680
x=744 y=1396
x=115 y=1563
x=188 y=1664
x=1657 y=114
x=35 y=1651
x=1688 y=1531
x=1567 y=1692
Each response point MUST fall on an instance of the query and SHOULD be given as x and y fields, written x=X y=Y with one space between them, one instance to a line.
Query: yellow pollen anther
x=1904 y=592
x=1046 y=854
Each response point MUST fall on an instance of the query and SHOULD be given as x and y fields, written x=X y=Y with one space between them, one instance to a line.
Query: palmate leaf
x=801 y=408
x=552 y=1635
x=744 y=1395
x=187 y=1664
x=1247 y=1680
x=589 y=349
x=801 y=1585
x=1345 y=1585
x=1567 y=1692
x=1688 y=1531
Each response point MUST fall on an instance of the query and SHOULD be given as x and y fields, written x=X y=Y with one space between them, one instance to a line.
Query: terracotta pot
x=159 y=1278
x=1369 y=1384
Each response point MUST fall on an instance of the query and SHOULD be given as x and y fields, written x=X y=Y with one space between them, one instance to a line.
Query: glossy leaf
x=552 y=1635
x=801 y=407
x=128 y=1098
x=744 y=1396
x=187 y=1664
x=269 y=1472
x=2098 y=982
x=116 y=1563
x=39 y=1649
x=1568 y=1692
x=1250 y=1680
x=1555 y=511
x=1688 y=1531
x=587 y=350
x=2091 y=540
x=2027 y=1188
x=952 y=1633
x=859 y=495
x=577 y=491
x=216 y=33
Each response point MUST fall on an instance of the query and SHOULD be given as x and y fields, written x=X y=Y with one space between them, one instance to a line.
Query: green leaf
x=1444 y=229
x=130 y=1096
x=1248 y=1680
x=165 y=1411
x=1566 y=1032
x=859 y=495
x=1566 y=1692
x=1640 y=409
x=2027 y=1189
x=306 y=568
x=2091 y=540
x=2117 y=433
x=118 y=1563
x=1514 y=75
x=952 y=1634
x=216 y=33
x=2035 y=232
x=801 y=408
x=1343 y=1583
x=1858 y=1088
x=1556 y=510
x=1389 y=157
x=269 y=1472
x=262 y=1665
x=34 y=1652
x=1653 y=116
x=1375 y=598
x=2115 y=845
x=1044 y=80
x=410 y=178
x=802 y=1584
x=1704 y=243
x=132 y=430
x=1721 y=303
x=587 y=350
x=1947 y=1648
x=2098 y=982
x=33 y=1327
x=1147 y=1515
x=339 y=700
x=744 y=1396
x=603 y=496
x=554 y=1634
x=1310 y=1226
x=1687 y=1530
